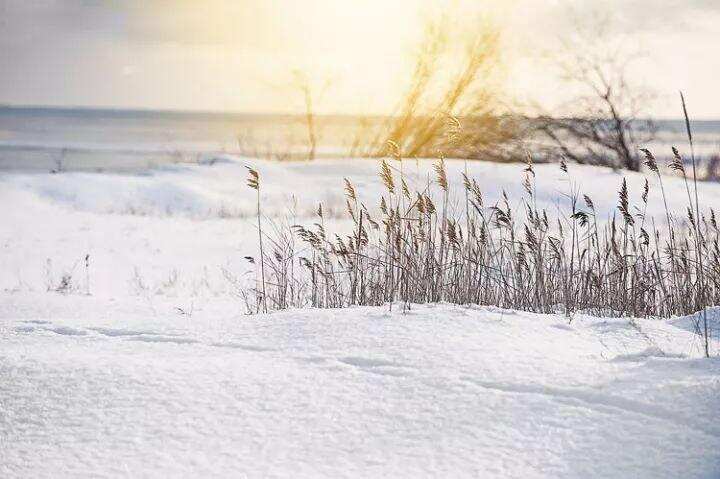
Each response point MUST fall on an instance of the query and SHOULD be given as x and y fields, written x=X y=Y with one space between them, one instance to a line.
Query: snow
x=95 y=388
x=159 y=372
x=217 y=190
x=179 y=226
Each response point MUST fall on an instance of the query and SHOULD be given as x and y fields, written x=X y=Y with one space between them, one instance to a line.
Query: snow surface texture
x=93 y=388
x=158 y=372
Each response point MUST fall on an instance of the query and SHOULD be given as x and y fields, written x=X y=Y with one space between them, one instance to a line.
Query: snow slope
x=158 y=372
x=95 y=388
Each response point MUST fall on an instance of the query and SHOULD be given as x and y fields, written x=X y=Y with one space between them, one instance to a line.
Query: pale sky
x=238 y=55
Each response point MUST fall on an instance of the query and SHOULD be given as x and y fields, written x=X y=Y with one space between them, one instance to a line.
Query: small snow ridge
x=389 y=372
x=25 y=329
x=163 y=339
x=376 y=366
x=649 y=352
x=366 y=362
x=65 y=331
x=599 y=400
x=246 y=347
x=62 y=330
x=120 y=332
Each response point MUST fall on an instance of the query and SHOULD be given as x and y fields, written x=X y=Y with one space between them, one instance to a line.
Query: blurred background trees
x=607 y=119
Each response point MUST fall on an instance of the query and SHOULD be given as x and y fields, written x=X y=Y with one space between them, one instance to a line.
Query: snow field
x=100 y=389
x=159 y=373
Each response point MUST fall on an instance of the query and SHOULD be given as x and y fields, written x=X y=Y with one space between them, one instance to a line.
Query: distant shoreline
x=225 y=115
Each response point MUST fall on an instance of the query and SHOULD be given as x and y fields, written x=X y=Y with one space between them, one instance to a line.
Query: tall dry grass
x=415 y=248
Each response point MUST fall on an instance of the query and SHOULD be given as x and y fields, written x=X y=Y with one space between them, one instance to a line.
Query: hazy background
x=237 y=55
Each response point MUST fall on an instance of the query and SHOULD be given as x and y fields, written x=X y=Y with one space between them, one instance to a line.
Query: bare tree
x=605 y=122
x=302 y=82
x=303 y=90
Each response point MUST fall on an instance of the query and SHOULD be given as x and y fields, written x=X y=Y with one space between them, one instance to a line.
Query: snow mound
x=216 y=187
x=690 y=323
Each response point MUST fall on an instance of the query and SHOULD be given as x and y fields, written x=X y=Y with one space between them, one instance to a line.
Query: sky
x=239 y=55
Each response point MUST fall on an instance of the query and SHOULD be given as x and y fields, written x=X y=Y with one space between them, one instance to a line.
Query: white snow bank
x=95 y=387
x=180 y=226
x=219 y=189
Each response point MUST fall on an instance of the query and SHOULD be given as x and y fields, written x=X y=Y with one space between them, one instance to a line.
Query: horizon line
x=209 y=112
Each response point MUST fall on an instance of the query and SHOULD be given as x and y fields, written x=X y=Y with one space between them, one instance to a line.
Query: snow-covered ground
x=179 y=226
x=96 y=388
x=159 y=373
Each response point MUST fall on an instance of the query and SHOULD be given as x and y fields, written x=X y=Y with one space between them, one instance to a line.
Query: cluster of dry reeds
x=415 y=248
